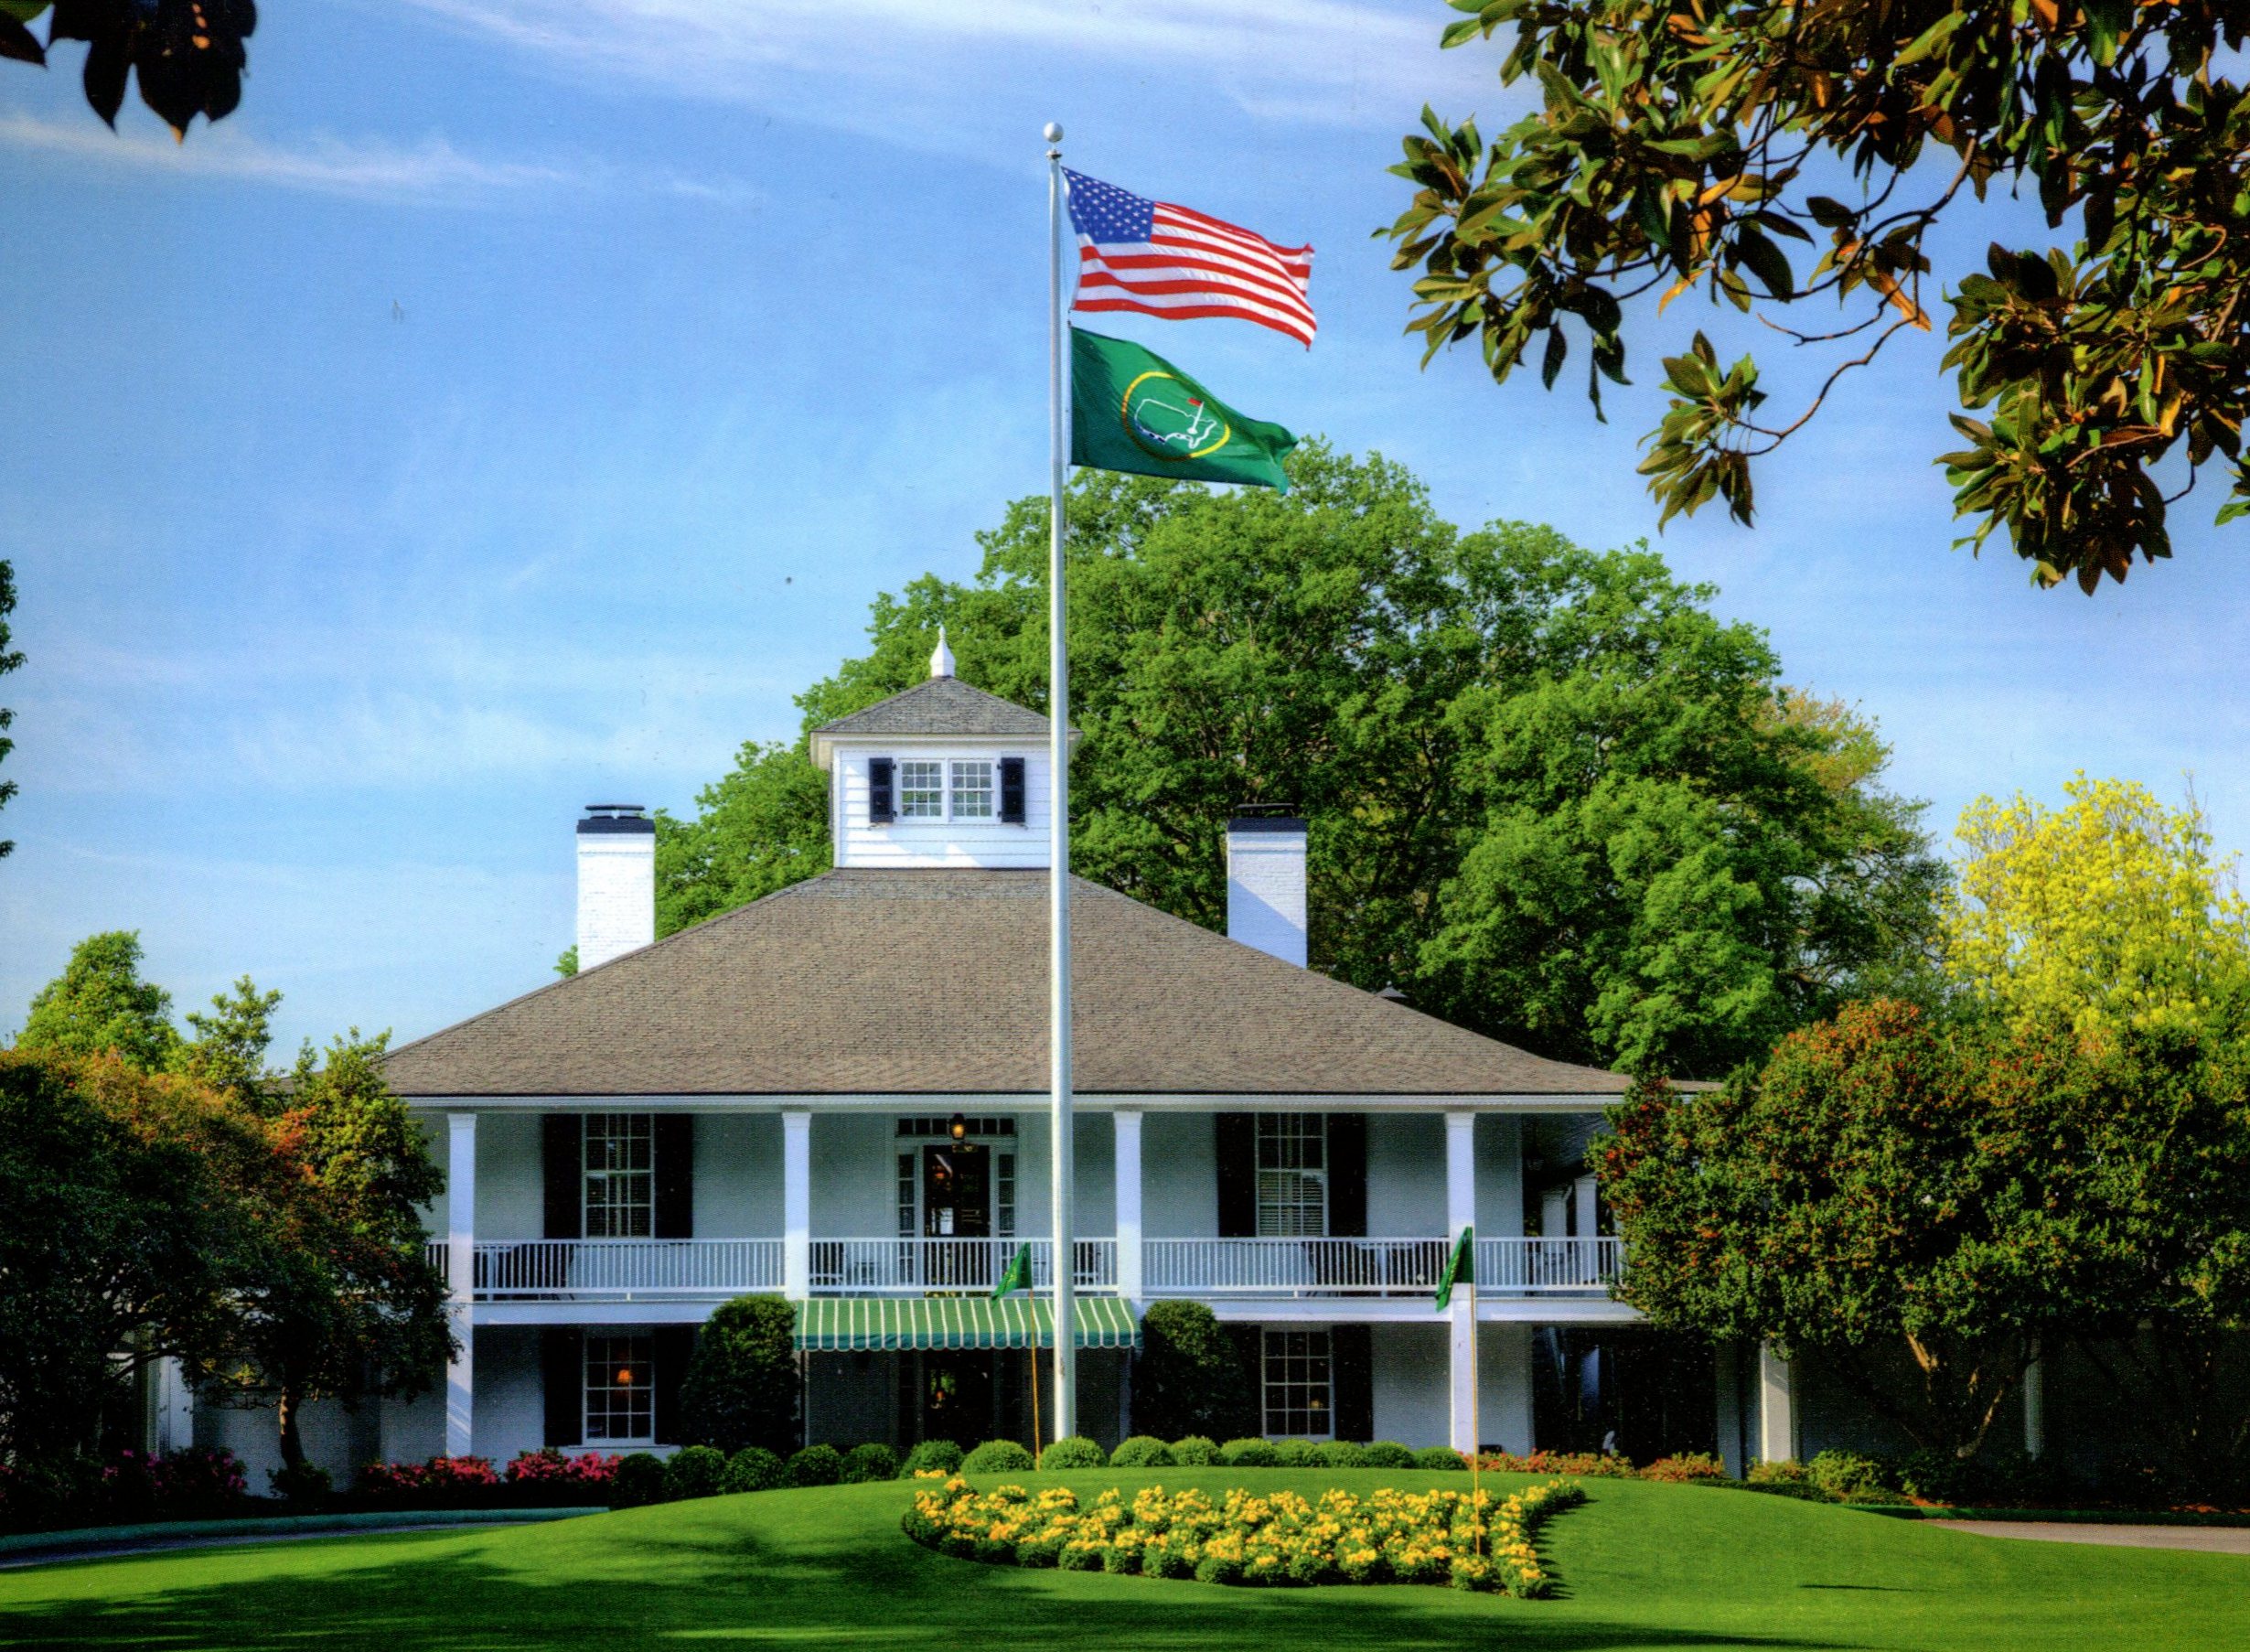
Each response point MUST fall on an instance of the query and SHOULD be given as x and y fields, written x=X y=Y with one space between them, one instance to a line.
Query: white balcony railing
x=1369 y=1267
x=620 y=1269
x=908 y=1266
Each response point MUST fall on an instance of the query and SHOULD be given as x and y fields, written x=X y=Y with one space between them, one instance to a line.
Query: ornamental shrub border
x=1258 y=1539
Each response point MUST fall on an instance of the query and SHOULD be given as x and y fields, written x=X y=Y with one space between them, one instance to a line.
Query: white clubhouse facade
x=837 y=1095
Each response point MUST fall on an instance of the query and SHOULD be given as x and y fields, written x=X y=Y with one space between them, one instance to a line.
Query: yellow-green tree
x=2111 y=912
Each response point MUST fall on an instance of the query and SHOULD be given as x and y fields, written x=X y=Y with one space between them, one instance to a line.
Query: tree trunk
x=292 y=1441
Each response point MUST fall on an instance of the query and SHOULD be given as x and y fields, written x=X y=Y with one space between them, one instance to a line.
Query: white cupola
x=942 y=775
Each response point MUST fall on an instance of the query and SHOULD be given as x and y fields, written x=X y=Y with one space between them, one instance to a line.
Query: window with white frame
x=620 y=1396
x=922 y=791
x=1004 y=1171
x=1298 y=1393
x=972 y=790
x=620 y=1180
x=1292 y=1176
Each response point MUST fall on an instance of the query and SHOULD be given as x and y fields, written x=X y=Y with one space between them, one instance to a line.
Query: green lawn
x=1640 y=1566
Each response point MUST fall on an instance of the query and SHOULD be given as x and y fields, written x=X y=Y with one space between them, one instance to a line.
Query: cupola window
x=972 y=790
x=922 y=791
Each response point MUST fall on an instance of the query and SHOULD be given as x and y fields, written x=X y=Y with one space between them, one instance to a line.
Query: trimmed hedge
x=815 y=1465
x=941 y=1456
x=869 y=1461
x=694 y=1472
x=753 y=1468
x=1389 y=1454
x=1340 y=1453
x=1073 y=1451
x=1194 y=1451
x=997 y=1457
x=1441 y=1459
x=741 y=1383
x=638 y=1481
x=1249 y=1453
x=1142 y=1451
x=1297 y=1453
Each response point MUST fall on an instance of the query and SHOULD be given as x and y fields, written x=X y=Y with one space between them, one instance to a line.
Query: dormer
x=942 y=775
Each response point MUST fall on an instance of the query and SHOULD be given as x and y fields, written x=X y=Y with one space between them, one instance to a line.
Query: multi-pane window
x=1292 y=1176
x=1297 y=1385
x=972 y=791
x=909 y=1207
x=620 y=1175
x=620 y=1390
x=1003 y=1194
x=922 y=791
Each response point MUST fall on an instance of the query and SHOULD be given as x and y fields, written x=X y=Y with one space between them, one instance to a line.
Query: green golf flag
x=1018 y=1274
x=1459 y=1268
x=1133 y=410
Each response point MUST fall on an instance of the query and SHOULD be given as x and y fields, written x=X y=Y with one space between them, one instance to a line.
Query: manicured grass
x=1641 y=1567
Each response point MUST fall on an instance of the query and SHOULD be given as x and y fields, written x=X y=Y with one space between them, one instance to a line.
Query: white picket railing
x=1368 y=1267
x=564 y=1268
x=908 y=1266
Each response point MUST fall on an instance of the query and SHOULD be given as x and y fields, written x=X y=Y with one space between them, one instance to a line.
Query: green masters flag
x=1018 y=1276
x=1133 y=410
x=1459 y=1268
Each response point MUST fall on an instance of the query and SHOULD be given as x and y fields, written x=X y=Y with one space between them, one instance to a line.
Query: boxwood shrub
x=694 y=1471
x=997 y=1457
x=869 y=1461
x=1340 y=1453
x=639 y=1480
x=1296 y=1454
x=938 y=1456
x=1073 y=1451
x=815 y=1465
x=1443 y=1458
x=753 y=1468
x=1249 y=1453
x=1194 y=1451
x=1142 y=1451
x=1389 y=1453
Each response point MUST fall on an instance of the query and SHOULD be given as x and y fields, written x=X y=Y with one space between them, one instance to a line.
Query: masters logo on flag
x=1133 y=410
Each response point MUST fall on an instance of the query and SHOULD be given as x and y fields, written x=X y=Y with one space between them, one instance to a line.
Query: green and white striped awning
x=863 y=1324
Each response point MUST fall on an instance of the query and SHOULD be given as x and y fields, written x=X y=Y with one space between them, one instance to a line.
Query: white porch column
x=176 y=1407
x=797 y=1205
x=1461 y=1212
x=1777 y=1407
x=1125 y=1123
x=461 y=1279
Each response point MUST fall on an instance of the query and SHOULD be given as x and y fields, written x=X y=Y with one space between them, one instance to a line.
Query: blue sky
x=517 y=400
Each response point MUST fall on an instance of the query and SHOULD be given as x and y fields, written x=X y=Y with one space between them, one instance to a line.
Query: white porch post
x=1461 y=1212
x=1126 y=1122
x=461 y=1279
x=175 y=1407
x=797 y=1205
x=1777 y=1407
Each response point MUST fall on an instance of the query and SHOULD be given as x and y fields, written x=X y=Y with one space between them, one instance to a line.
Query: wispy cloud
x=898 y=66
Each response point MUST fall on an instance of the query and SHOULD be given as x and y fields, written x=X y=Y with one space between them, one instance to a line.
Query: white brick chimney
x=1266 y=882
x=617 y=882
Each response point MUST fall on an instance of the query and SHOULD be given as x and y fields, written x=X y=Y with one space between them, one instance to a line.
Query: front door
x=957 y=1191
x=956 y=1397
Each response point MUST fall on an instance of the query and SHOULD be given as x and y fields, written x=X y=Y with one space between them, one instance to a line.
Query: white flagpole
x=1065 y=1408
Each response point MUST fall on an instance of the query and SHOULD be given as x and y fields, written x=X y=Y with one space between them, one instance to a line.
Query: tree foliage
x=2109 y=913
x=1189 y=1377
x=189 y=53
x=1551 y=796
x=228 y=1052
x=99 y=1005
x=742 y=1385
x=10 y=659
x=1686 y=148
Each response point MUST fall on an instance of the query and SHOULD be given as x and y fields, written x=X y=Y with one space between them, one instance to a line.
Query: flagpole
x=1476 y=1429
x=1058 y=872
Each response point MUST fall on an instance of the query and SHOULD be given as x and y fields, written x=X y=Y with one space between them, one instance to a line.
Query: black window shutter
x=1347 y=1176
x=563 y=1146
x=880 y=806
x=1236 y=1138
x=1351 y=1375
x=670 y=1346
x=674 y=1141
x=561 y=1364
x=1011 y=791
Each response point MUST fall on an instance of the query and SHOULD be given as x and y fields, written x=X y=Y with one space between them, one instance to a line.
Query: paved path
x=2206 y=1539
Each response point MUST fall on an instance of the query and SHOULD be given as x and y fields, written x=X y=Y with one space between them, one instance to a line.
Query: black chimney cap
x=629 y=817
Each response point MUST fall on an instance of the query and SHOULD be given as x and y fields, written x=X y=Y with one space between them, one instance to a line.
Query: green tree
x=760 y=827
x=1682 y=149
x=742 y=1385
x=100 y=1003
x=2109 y=913
x=133 y=1203
x=344 y=1303
x=1189 y=1377
x=1881 y=1188
x=10 y=659
x=1345 y=651
x=228 y=1052
x=187 y=54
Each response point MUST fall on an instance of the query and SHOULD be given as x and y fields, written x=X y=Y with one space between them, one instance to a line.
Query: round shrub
x=815 y=1465
x=1081 y=1557
x=1249 y=1453
x=1164 y=1559
x=1441 y=1459
x=997 y=1457
x=1389 y=1453
x=1194 y=1451
x=753 y=1468
x=1340 y=1453
x=1297 y=1453
x=741 y=1388
x=639 y=1480
x=1142 y=1451
x=1776 y=1470
x=1218 y=1568
x=932 y=1456
x=1846 y=1474
x=869 y=1461
x=1073 y=1451
x=694 y=1472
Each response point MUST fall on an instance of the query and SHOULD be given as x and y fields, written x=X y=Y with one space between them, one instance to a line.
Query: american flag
x=1163 y=259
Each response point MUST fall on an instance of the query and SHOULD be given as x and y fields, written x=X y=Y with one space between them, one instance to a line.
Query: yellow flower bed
x=1255 y=1538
